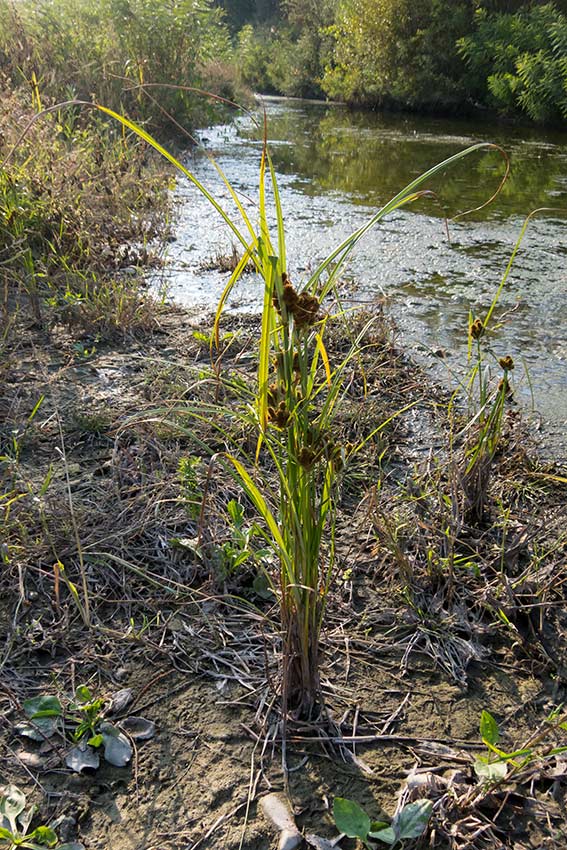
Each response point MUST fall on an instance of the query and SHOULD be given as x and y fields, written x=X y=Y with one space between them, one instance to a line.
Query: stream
x=335 y=167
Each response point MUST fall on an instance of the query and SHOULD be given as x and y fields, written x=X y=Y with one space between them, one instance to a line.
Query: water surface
x=335 y=167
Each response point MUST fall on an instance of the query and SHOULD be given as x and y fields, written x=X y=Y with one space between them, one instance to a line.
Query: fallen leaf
x=82 y=757
x=121 y=699
x=138 y=728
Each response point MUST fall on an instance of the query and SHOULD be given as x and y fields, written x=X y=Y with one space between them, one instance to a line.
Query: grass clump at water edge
x=297 y=397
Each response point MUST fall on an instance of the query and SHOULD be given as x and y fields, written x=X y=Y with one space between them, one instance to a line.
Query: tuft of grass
x=487 y=402
x=296 y=401
x=76 y=221
x=298 y=395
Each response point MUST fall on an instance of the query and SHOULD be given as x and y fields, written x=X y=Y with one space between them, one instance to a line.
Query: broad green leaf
x=262 y=586
x=377 y=825
x=44 y=835
x=96 y=741
x=489 y=729
x=83 y=694
x=236 y=512
x=12 y=804
x=412 y=820
x=42 y=706
x=493 y=771
x=5 y=834
x=117 y=747
x=39 y=729
x=26 y=818
x=386 y=835
x=350 y=818
x=81 y=758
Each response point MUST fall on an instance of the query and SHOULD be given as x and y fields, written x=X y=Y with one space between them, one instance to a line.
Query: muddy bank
x=105 y=475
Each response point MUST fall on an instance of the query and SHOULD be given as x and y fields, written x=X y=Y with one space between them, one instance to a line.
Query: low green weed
x=190 y=486
x=239 y=549
x=82 y=722
x=485 y=427
x=487 y=399
x=498 y=764
x=15 y=821
x=68 y=208
x=409 y=822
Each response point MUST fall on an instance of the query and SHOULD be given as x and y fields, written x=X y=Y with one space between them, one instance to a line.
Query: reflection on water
x=335 y=167
x=370 y=156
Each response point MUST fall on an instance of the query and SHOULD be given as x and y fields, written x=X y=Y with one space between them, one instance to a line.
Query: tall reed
x=487 y=402
x=298 y=394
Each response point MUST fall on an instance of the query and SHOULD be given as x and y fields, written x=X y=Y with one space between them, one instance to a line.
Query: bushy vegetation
x=74 y=215
x=518 y=62
x=504 y=54
x=288 y=56
x=74 y=48
x=80 y=200
x=397 y=51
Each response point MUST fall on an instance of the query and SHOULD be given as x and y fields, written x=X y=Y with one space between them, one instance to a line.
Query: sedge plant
x=486 y=426
x=487 y=401
x=298 y=393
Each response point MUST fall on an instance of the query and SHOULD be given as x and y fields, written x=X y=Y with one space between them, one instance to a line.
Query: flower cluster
x=320 y=445
x=477 y=329
x=279 y=416
x=303 y=307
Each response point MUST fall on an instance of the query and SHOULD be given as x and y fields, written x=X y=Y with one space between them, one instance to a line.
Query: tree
x=398 y=51
x=518 y=62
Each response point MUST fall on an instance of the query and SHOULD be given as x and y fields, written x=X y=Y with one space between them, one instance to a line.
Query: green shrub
x=397 y=52
x=75 y=48
x=518 y=62
x=74 y=212
x=288 y=58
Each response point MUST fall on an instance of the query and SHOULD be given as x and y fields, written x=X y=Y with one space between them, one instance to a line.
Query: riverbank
x=428 y=625
x=508 y=57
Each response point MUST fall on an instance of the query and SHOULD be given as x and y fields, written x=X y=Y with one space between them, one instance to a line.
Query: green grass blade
x=271 y=264
x=279 y=215
x=235 y=276
x=259 y=502
x=406 y=195
x=135 y=128
x=512 y=258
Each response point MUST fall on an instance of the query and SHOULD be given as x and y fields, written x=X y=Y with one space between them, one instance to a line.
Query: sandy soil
x=409 y=682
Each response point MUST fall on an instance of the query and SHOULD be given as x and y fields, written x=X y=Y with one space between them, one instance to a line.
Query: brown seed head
x=504 y=385
x=279 y=416
x=506 y=363
x=306 y=457
x=290 y=296
x=306 y=309
x=477 y=329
